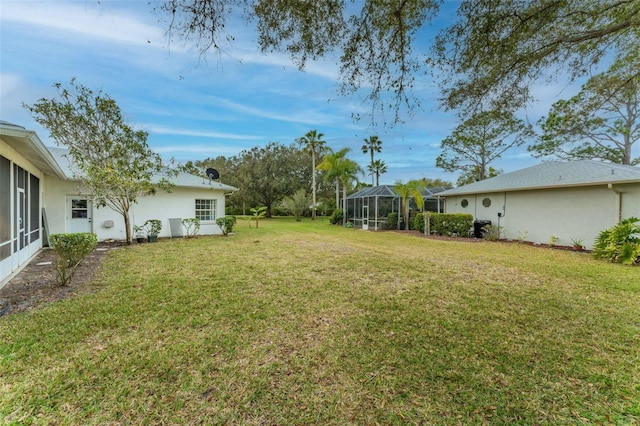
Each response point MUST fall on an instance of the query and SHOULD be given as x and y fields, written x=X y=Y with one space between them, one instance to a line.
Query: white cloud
x=162 y=130
x=80 y=19
x=183 y=151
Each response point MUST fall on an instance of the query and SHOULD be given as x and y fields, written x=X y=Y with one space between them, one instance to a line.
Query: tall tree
x=600 y=122
x=333 y=164
x=372 y=145
x=471 y=175
x=376 y=169
x=407 y=191
x=113 y=161
x=433 y=183
x=315 y=145
x=349 y=172
x=481 y=140
x=271 y=173
x=491 y=52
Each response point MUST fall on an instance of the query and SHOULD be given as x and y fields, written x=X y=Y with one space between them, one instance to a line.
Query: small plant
x=139 y=231
x=297 y=204
x=522 y=236
x=336 y=217
x=553 y=240
x=153 y=228
x=492 y=232
x=392 y=220
x=348 y=225
x=191 y=226
x=258 y=213
x=619 y=244
x=577 y=243
x=70 y=249
x=226 y=224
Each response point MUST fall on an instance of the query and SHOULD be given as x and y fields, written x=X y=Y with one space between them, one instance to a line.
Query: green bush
x=153 y=227
x=191 y=226
x=619 y=244
x=70 y=249
x=450 y=224
x=336 y=217
x=226 y=224
x=392 y=221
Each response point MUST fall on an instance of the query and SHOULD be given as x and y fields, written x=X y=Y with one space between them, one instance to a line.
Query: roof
x=389 y=191
x=180 y=179
x=28 y=144
x=553 y=174
x=192 y=181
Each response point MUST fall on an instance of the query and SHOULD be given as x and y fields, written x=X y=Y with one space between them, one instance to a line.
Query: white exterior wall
x=630 y=201
x=566 y=213
x=180 y=203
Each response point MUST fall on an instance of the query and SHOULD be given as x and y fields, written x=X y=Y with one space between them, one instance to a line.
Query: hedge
x=449 y=224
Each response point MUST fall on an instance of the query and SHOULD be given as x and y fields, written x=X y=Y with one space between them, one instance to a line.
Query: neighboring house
x=566 y=201
x=39 y=196
x=368 y=208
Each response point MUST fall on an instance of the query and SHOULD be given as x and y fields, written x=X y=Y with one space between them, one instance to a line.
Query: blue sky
x=194 y=107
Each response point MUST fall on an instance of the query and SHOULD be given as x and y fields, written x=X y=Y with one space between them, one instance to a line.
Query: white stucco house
x=567 y=200
x=39 y=196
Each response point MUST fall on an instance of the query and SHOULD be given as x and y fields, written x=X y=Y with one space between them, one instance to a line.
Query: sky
x=196 y=107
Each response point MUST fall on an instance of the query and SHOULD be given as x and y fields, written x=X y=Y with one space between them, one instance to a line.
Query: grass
x=307 y=323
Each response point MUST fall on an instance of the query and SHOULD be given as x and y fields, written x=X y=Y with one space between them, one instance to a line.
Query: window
x=206 y=210
x=486 y=202
x=464 y=203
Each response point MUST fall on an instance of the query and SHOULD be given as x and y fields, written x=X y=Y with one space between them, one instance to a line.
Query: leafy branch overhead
x=489 y=55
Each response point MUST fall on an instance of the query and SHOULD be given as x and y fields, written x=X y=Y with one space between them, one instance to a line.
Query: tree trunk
x=127 y=226
x=313 y=183
x=344 y=205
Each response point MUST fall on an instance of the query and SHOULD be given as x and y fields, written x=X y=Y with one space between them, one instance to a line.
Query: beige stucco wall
x=180 y=203
x=566 y=213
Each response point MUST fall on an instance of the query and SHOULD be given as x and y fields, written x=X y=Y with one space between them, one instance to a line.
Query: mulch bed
x=36 y=283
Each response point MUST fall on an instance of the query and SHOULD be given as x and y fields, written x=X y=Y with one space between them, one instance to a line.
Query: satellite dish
x=213 y=173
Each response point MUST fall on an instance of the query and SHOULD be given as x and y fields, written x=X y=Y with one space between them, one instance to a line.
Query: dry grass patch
x=301 y=323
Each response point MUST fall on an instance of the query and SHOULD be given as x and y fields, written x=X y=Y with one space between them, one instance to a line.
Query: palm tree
x=313 y=143
x=372 y=145
x=349 y=171
x=376 y=169
x=333 y=163
x=408 y=190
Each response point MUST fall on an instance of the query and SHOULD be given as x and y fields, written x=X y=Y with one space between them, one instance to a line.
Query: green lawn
x=307 y=323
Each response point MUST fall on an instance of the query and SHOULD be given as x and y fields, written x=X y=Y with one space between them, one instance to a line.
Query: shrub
x=493 y=232
x=191 y=226
x=70 y=249
x=153 y=227
x=392 y=221
x=226 y=224
x=336 y=217
x=451 y=224
x=619 y=244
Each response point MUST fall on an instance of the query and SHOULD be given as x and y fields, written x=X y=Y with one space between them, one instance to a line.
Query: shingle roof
x=181 y=179
x=553 y=174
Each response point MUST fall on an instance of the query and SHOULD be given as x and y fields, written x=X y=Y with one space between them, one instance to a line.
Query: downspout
x=503 y=213
x=618 y=206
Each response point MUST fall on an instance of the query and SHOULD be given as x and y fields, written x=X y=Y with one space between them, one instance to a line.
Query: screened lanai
x=368 y=208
